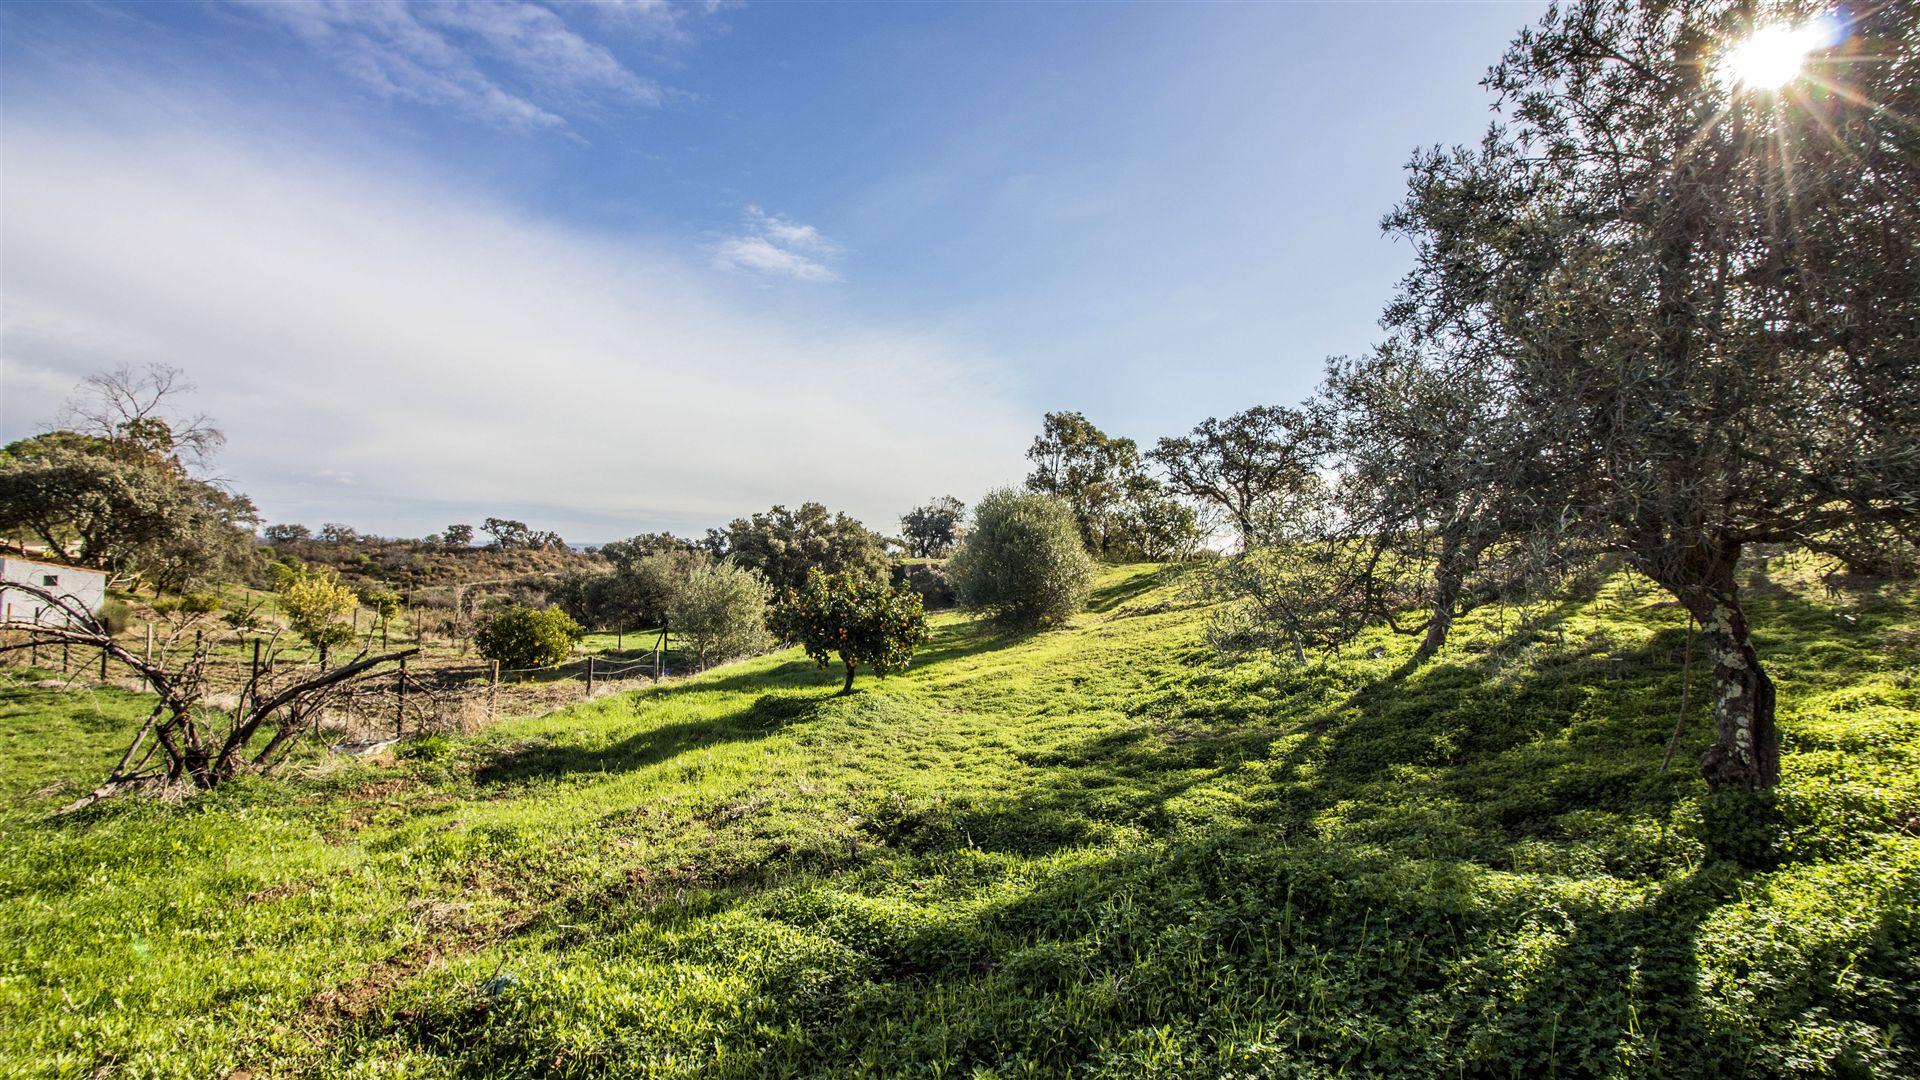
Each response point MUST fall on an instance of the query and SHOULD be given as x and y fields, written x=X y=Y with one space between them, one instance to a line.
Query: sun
x=1773 y=56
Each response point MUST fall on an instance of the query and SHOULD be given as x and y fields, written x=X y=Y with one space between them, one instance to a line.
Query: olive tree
x=719 y=609
x=1697 y=299
x=1022 y=561
x=1433 y=479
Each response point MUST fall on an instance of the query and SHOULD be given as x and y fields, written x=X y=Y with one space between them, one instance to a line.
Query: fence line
x=408 y=701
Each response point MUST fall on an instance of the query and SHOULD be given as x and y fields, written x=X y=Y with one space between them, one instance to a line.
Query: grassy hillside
x=1094 y=851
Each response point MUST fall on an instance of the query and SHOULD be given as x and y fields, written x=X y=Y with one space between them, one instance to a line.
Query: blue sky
x=631 y=266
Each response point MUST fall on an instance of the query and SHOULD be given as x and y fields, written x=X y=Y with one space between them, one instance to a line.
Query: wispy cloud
x=668 y=20
x=512 y=64
x=390 y=349
x=776 y=247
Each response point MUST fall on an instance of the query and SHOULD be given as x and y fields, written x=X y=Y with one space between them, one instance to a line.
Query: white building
x=87 y=587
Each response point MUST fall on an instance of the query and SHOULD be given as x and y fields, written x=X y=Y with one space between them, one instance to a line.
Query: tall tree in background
x=511 y=535
x=1697 y=295
x=1150 y=524
x=1240 y=464
x=1087 y=468
x=137 y=412
x=930 y=531
x=784 y=544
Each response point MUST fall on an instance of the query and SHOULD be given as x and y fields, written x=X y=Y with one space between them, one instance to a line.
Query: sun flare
x=1773 y=56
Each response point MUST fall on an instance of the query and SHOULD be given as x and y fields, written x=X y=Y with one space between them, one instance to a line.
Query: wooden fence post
x=400 y=701
x=254 y=680
x=66 y=656
x=589 y=676
x=149 y=641
x=493 y=691
x=103 y=665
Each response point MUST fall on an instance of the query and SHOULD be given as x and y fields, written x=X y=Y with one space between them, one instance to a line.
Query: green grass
x=1092 y=851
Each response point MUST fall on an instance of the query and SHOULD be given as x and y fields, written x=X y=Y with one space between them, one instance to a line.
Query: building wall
x=87 y=586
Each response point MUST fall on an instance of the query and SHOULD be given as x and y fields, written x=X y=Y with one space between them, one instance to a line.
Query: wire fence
x=406 y=701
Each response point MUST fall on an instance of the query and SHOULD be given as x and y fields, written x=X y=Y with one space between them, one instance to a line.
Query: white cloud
x=395 y=352
x=664 y=19
x=774 y=246
x=515 y=65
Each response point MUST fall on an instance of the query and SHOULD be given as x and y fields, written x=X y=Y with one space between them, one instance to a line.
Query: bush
x=1023 y=561
x=930 y=579
x=636 y=593
x=863 y=621
x=318 y=607
x=523 y=637
x=115 y=615
x=719 y=609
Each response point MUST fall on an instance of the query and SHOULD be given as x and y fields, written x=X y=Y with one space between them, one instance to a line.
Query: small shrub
x=719 y=609
x=864 y=622
x=1023 y=560
x=115 y=615
x=929 y=579
x=522 y=637
x=318 y=607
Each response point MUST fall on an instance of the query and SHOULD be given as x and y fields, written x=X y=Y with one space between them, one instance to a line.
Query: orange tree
x=863 y=621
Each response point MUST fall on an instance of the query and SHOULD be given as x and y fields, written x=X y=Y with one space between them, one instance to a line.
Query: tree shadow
x=550 y=760
x=1390 y=886
x=1106 y=598
x=965 y=640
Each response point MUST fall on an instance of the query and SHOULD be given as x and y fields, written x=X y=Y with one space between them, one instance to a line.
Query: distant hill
x=404 y=564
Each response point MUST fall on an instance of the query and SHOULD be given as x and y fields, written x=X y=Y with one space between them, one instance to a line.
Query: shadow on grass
x=1109 y=597
x=965 y=640
x=1363 y=906
x=553 y=760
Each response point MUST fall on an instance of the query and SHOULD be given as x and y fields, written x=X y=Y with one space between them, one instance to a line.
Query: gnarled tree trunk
x=1746 y=750
x=1457 y=556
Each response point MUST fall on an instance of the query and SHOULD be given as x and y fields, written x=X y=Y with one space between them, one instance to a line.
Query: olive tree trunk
x=1746 y=749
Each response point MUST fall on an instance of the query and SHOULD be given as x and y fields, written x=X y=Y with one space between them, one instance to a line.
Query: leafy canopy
x=318 y=607
x=523 y=637
x=717 y=608
x=863 y=621
x=784 y=545
x=1023 y=560
x=932 y=530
